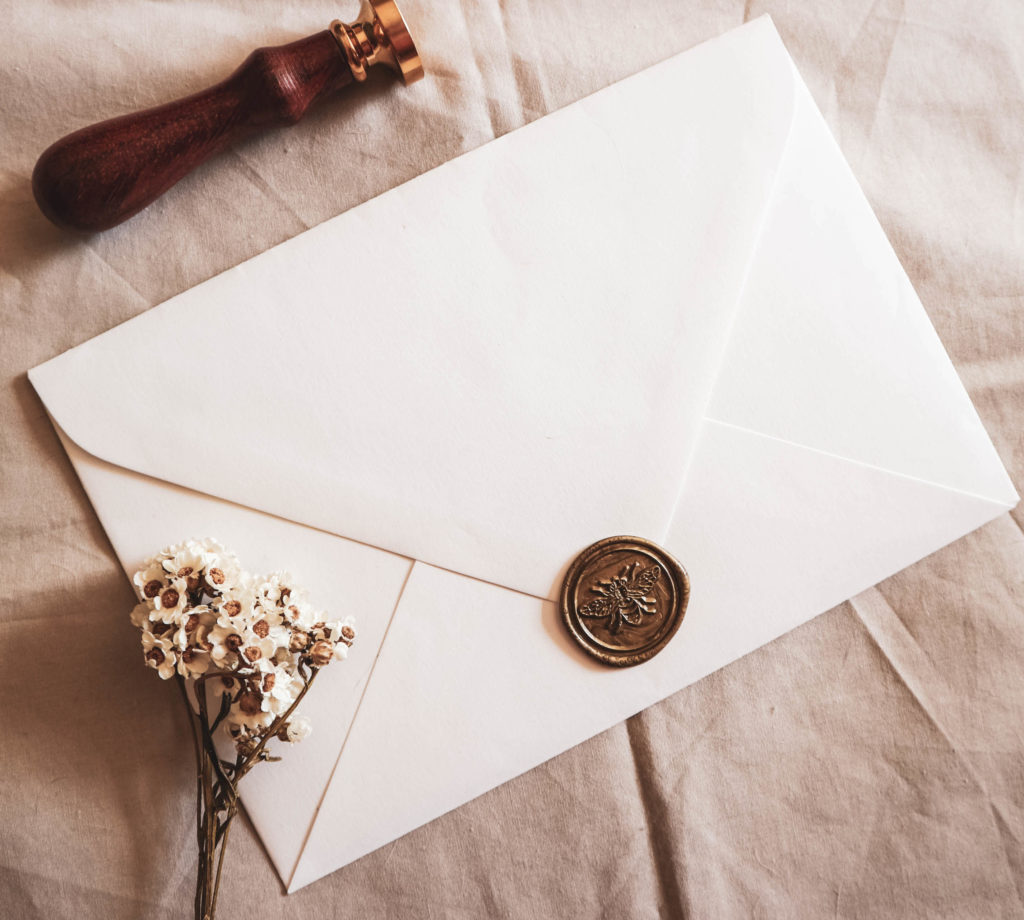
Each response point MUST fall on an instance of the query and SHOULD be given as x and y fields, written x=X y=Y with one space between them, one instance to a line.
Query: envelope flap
x=488 y=367
x=833 y=350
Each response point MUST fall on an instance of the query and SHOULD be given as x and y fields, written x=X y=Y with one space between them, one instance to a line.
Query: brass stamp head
x=379 y=35
x=623 y=599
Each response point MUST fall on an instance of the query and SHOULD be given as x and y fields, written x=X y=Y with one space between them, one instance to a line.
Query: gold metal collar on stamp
x=379 y=35
x=623 y=599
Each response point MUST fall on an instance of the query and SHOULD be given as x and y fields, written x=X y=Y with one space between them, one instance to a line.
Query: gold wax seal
x=623 y=599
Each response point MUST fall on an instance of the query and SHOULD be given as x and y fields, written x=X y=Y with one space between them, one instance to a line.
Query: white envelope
x=665 y=310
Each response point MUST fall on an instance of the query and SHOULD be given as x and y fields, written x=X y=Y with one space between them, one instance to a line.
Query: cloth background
x=868 y=764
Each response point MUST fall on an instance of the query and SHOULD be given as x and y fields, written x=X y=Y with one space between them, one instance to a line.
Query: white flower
x=158 y=654
x=193 y=661
x=275 y=587
x=170 y=602
x=188 y=562
x=194 y=626
x=295 y=608
x=226 y=642
x=341 y=631
x=301 y=616
x=257 y=653
x=297 y=728
x=247 y=711
x=150 y=580
x=236 y=606
x=223 y=572
x=202 y=614
x=239 y=643
x=270 y=626
x=282 y=691
x=330 y=642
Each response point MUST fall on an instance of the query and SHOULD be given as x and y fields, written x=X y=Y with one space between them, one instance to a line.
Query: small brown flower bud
x=153 y=588
x=216 y=576
x=321 y=652
x=268 y=682
x=232 y=608
x=298 y=641
x=348 y=633
x=156 y=656
x=253 y=653
x=261 y=628
x=169 y=597
x=228 y=682
x=250 y=702
x=189 y=654
x=233 y=642
x=185 y=570
x=192 y=622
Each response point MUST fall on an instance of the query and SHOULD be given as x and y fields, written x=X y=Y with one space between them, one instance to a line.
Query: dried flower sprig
x=242 y=648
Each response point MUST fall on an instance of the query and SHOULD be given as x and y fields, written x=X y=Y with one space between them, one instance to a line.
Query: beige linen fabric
x=868 y=764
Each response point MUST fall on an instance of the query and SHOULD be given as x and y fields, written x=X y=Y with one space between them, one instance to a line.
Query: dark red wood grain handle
x=102 y=175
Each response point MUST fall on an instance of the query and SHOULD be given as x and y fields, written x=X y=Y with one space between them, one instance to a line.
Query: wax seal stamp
x=103 y=174
x=623 y=599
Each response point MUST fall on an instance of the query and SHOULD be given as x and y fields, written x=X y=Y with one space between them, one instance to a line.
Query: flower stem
x=220 y=861
x=217 y=790
x=200 y=771
x=216 y=794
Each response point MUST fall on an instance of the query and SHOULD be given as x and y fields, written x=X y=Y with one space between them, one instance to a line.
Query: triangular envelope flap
x=487 y=367
x=832 y=348
x=140 y=514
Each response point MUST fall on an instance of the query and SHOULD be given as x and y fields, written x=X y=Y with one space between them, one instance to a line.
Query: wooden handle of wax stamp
x=101 y=175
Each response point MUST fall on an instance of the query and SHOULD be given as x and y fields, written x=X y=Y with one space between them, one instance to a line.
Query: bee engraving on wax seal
x=623 y=599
